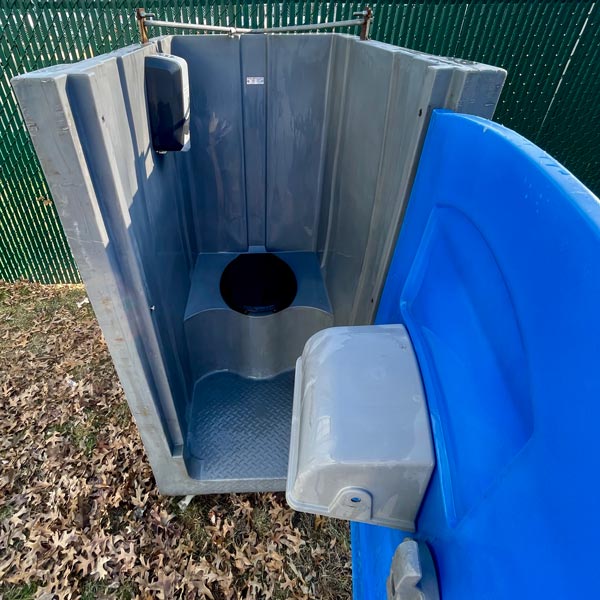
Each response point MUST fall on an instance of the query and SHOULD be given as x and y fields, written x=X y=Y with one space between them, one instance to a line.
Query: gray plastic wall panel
x=254 y=170
x=138 y=202
x=157 y=221
x=360 y=144
x=97 y=198
x=420 y=83
x=380 y=101
x=255 y=102
x=336 y=101
x=215 y=161
x=298 y=85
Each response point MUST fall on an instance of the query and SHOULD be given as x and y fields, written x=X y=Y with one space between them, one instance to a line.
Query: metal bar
x=310 y=26
x=195 y=27
x=150 y=22
x=140 y=15
x=365 y=26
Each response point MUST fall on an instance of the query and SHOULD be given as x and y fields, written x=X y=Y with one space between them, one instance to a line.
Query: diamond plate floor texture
x=240 y=428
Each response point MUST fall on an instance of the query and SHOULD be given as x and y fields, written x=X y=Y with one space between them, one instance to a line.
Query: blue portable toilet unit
x=496 y=276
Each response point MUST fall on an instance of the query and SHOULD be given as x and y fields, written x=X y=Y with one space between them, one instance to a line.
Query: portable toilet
x=445 y=399
x=217 y=233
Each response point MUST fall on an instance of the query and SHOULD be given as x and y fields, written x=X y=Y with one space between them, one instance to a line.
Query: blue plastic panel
x=496 y=275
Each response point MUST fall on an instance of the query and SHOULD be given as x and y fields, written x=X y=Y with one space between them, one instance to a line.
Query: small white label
x=255 y=81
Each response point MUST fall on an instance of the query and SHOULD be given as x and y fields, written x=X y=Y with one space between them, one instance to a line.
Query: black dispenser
x=168 y=98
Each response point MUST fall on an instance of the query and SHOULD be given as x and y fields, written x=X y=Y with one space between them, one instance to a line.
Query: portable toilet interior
x=210 y=267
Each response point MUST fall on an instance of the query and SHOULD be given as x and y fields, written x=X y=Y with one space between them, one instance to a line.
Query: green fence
x=551 y=50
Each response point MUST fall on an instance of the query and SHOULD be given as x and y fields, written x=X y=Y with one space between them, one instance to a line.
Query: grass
x=20 y=313
x=25 y=591
x=195 y=518
x=101 y=590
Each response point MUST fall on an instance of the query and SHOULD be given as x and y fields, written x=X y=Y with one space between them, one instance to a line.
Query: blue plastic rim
x=496 y=276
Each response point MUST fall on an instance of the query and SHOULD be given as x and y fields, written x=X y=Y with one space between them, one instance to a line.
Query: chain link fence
x=550 y=48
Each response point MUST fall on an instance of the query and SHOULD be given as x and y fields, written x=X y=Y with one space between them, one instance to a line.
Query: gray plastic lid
x=361 y=444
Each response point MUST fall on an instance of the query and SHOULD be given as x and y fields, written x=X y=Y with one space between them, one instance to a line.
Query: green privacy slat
x=569 y=130
x=551 y=49
x=21 y=201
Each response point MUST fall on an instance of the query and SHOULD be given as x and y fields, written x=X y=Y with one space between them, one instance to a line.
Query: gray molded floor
x=240 y=428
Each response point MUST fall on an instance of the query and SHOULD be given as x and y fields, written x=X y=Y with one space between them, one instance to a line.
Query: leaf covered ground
x=80 y=515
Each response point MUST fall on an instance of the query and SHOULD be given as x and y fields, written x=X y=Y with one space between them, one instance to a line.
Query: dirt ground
x=80 y=515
